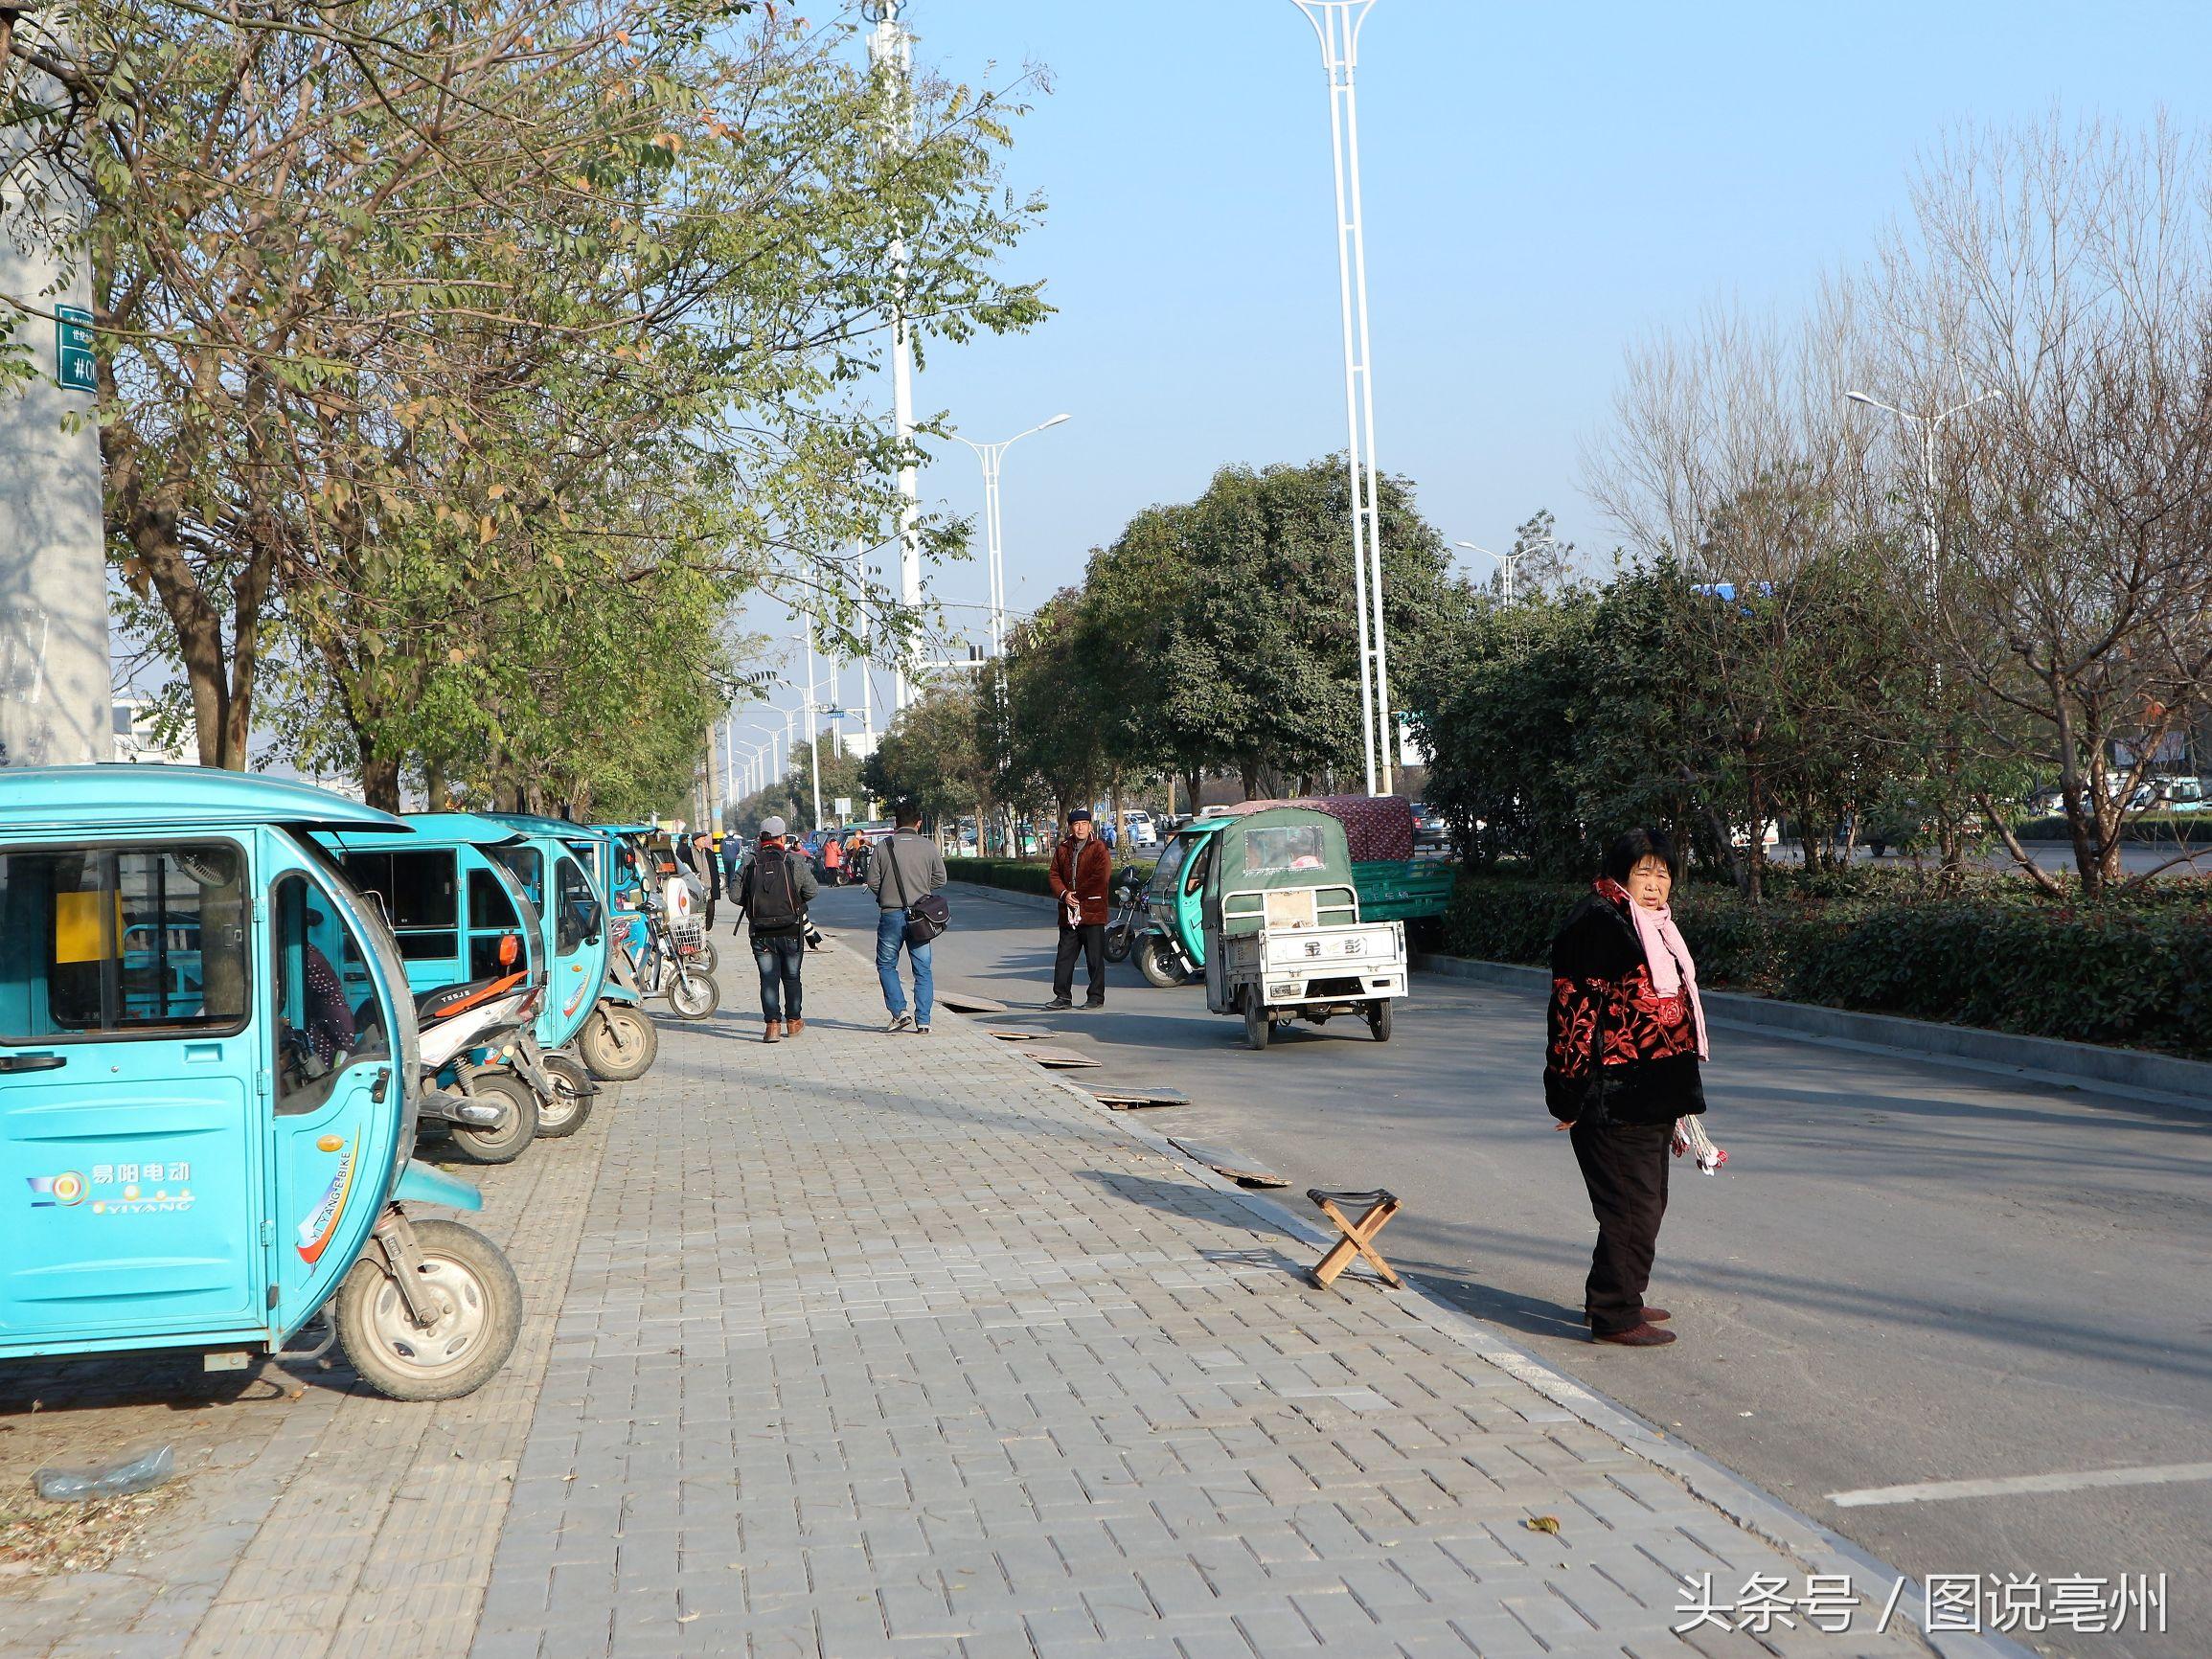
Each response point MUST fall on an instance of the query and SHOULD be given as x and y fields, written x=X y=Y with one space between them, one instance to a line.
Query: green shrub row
x=1019 y=875
x=2131 y=976
x=2190 y=827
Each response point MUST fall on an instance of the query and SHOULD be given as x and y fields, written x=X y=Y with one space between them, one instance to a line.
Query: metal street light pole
x=1929 y=426
x=1338 y=24
x=990 y=455
x=1507 y=563
x=890 y=53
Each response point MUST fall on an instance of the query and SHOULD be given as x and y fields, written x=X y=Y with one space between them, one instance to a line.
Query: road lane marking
x=1939 y=1491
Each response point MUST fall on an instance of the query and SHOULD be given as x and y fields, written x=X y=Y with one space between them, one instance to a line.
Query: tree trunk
x=1755 y=841
x=380 y=780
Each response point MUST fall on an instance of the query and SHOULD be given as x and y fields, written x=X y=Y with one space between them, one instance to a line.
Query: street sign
x=73 y=349
x=842 y=805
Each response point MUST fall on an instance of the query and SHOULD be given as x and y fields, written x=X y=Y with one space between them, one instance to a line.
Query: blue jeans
x=890 y=935
x=780 y=962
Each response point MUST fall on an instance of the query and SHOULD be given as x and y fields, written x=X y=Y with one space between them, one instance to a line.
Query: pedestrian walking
x=773 y=896
x=1626 y=1039
x=906 y=867
x=1083 y=874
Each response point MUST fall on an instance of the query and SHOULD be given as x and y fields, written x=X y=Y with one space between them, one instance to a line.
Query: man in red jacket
x=1083 y=872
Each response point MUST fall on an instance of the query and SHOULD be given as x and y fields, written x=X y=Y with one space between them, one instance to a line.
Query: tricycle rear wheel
x=507 y=1139
x=1258 y=1027
x=617 y=1043
x=1379 y=1018
x=480 y=1303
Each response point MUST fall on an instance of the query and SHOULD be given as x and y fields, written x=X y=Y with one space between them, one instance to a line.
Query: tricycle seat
x=448 y=1000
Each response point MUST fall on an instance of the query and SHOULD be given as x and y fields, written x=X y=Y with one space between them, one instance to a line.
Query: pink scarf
x=1672 y=971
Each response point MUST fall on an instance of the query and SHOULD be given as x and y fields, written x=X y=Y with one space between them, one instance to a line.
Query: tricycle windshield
x=527 y=865
x=575 y=922
x=103 y=942
x=1171 y=861
x=321 y=1029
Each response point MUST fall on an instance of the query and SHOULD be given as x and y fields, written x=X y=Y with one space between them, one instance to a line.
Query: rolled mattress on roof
x=1376 y=826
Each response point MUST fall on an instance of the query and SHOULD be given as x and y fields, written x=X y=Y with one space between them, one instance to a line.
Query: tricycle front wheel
x=618 y=1042
x=1154 y=962
x=479 y=1312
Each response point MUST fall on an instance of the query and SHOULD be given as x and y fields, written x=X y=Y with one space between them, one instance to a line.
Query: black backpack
x=774 y=905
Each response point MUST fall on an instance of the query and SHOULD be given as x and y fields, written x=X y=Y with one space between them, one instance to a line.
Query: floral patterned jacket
x=1616 y=1051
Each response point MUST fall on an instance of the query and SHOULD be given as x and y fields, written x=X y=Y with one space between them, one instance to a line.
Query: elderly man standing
x=1083 y=872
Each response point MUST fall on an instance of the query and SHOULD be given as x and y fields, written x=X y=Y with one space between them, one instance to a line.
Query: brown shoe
x=774 y=1034
x=793 y=1028
x=1656 y=1316
x=1636 y=1336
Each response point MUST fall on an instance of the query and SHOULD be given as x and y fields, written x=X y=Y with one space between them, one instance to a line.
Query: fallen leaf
x=1542 y=1524
x=685 y=1618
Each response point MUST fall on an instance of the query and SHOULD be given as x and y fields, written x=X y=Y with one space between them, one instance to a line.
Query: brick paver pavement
x=893 y=1344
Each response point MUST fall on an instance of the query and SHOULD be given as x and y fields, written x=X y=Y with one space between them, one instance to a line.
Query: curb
x=2139 y=1077
x=1816 y=1547
x=1758 y=1511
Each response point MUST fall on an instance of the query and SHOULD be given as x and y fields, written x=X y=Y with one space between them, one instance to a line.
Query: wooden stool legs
x=1376 y=1210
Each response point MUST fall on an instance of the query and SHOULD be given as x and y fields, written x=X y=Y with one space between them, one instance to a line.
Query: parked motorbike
x=1129 y=915
x=490 y=1110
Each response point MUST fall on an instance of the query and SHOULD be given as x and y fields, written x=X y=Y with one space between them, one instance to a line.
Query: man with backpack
x=906 y=869
x=772 y=897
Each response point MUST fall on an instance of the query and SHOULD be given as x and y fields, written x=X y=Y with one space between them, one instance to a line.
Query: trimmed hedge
x=1018 y=875
x=2134 y=976
x=2184 y=828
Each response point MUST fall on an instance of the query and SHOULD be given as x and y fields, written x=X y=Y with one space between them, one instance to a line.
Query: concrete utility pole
x=891 y=51
x=56 y=697
x=1337 y=24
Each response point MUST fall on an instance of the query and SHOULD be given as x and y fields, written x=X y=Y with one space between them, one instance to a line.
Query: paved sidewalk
x=889 y=1345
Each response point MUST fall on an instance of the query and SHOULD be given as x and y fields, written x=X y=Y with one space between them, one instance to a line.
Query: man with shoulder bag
x=906 y=874
x=773 y=896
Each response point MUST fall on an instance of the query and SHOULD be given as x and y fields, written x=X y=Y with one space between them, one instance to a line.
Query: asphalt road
x=1907 y=1272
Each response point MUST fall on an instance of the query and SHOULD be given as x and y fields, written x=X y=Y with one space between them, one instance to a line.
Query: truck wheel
x=618 y=1042
x=506 y=1140
x=479 y=1313
x=1117 y=943
x=1153 y=964
x=570 y=1107
x=1379 y=1018
x=1258 y=1027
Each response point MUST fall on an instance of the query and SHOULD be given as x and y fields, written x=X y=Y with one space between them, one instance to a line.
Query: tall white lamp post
x=1507 y=564
x=992 y=455
x=1338 y=24
x=1929 y=426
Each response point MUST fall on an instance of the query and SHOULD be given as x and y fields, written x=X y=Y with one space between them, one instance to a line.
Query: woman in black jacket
x=1627 y=1035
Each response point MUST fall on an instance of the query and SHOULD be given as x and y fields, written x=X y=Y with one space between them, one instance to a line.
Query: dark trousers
x=1090 y=938
x=780 y=961
x=1625 y=1167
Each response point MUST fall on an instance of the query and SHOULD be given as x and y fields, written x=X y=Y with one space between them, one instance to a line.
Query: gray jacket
x=920 y=869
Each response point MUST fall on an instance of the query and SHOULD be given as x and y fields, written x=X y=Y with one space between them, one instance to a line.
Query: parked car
x=1142 y=832
x=1429 y=830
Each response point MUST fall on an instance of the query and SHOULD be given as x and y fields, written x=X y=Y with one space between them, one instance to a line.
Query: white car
x=1142 y=831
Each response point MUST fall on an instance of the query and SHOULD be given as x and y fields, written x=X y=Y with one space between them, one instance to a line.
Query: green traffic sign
x=73 y=349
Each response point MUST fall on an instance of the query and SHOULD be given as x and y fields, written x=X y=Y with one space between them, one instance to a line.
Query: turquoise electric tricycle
x=455 y=888
x=204 y=1141
x=617 y=1041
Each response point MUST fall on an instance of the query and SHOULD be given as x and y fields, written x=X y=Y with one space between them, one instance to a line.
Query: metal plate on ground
x=1137 y=1099
x=1059 y=1060
x=961 y=1003
x=1008 y=1035
x=1238 y=1167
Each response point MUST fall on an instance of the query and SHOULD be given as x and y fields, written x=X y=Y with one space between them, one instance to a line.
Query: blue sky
x=1543 y=185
